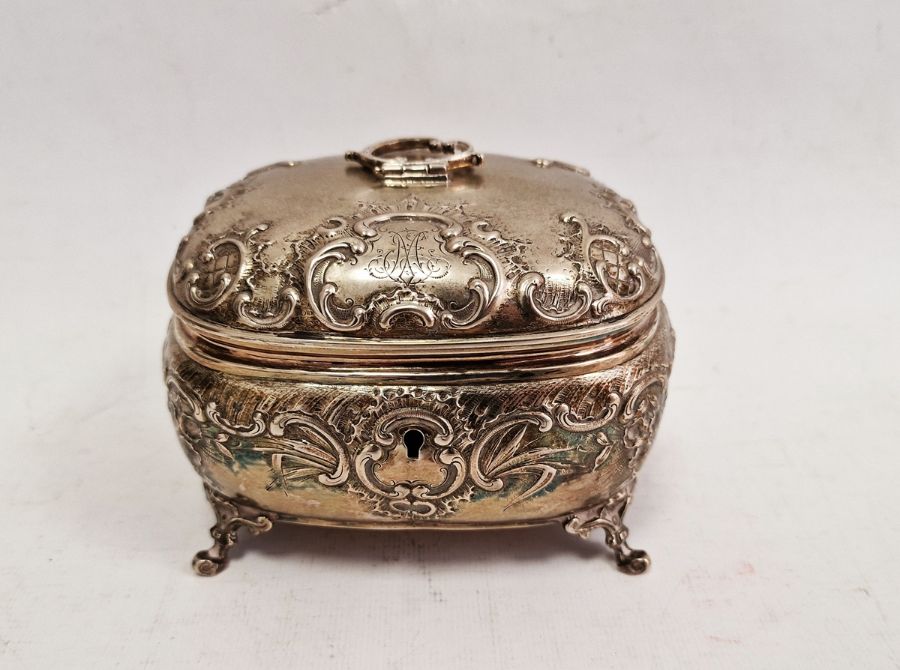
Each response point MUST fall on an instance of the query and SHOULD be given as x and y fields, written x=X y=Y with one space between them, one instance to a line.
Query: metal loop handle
x=416 y=161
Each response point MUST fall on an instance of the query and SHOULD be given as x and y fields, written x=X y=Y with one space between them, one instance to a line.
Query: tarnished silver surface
x=434 y=339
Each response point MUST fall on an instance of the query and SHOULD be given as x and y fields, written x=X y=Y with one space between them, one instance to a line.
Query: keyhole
x=413 y=439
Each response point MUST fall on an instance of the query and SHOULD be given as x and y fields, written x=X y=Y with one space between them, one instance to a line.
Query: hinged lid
x=497 y=252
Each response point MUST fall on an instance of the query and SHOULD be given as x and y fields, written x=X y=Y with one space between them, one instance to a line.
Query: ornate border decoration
x=230 y=264
x=231 y=272
x=608 y=274
x=625 y=208
x=467 y=452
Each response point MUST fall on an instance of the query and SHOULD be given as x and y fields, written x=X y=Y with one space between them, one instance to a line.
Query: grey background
x=761 y=143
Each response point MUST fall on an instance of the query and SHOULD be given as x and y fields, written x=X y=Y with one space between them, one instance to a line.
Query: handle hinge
x=416 y=161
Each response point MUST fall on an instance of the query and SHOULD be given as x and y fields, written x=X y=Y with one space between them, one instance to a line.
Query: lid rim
x=502 y=343
x=474 y=367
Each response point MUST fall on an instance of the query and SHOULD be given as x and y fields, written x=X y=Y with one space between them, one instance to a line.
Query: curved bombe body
x=396 y=346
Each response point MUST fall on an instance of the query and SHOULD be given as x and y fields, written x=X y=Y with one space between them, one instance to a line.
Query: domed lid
x=415 y=241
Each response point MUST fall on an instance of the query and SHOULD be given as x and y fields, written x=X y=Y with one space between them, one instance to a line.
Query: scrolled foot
x=207 y=565
x=632 y=561
x=230 y=518
x=608 y=517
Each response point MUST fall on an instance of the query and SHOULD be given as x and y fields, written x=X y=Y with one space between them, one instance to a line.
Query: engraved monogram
x=408 y=259
x=421 y=247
